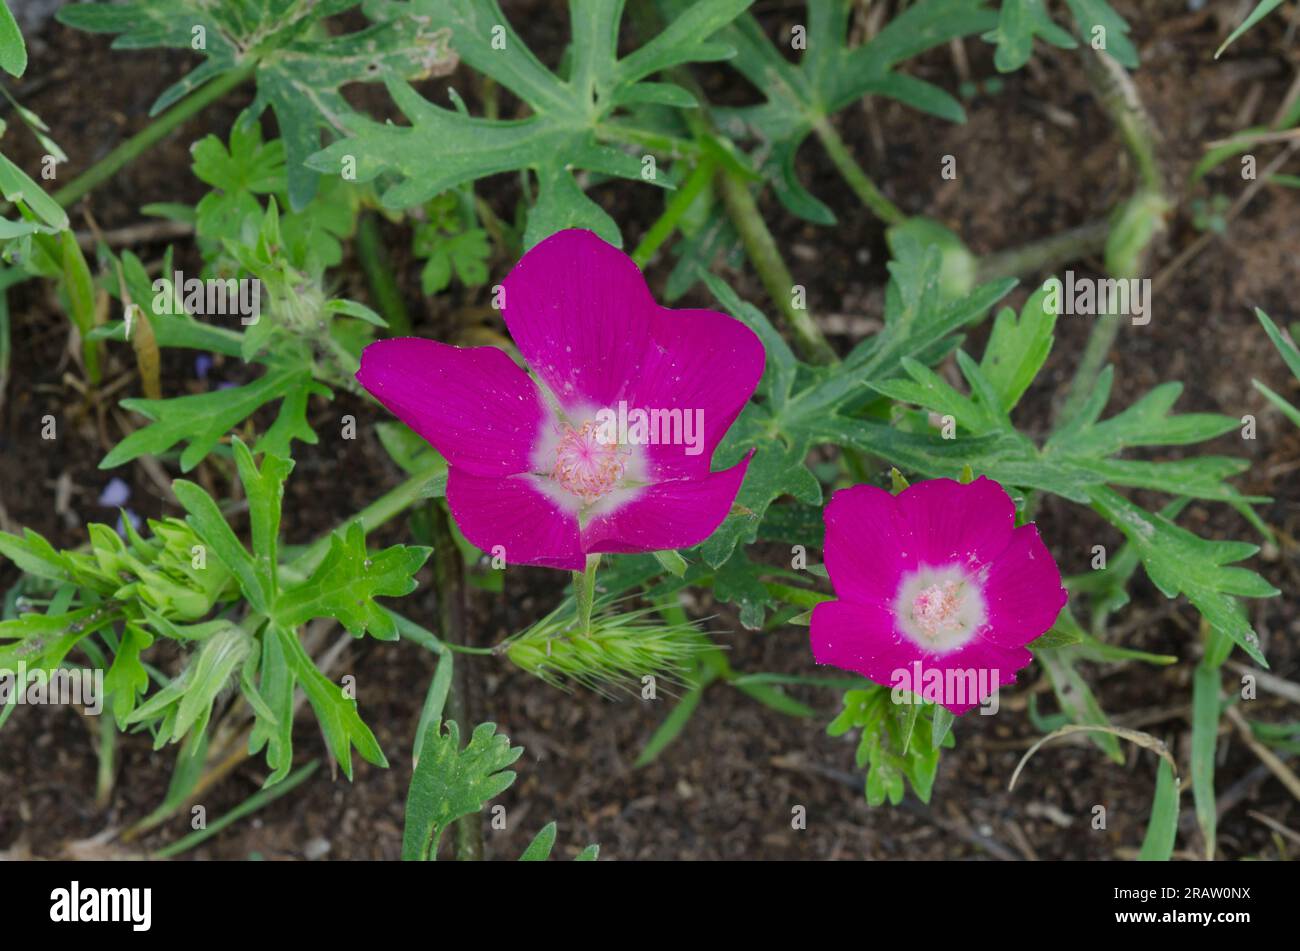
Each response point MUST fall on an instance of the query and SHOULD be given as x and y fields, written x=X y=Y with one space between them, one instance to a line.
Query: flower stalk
x=584 y=592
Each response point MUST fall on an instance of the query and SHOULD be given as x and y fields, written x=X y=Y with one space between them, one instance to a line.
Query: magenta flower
x=937 y=588
x=608 y=448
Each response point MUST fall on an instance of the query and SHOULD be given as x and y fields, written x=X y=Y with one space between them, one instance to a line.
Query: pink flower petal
x=511 y=512
x=861 y=638
x=580 y=312
x=703 y=363
x=868 y=546
x=675 y=514
x=582 y=316
x=999 y=663
x=475 y=406
x=955 y=523
x=1022 y=593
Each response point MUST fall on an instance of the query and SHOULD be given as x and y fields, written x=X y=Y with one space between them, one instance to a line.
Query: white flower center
x=941 y=608
x=586 y=466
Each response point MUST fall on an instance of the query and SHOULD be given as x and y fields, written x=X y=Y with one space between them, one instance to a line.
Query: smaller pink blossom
x=936 y=578
x=538 y=469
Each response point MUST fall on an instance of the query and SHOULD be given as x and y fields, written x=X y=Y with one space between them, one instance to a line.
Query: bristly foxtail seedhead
x=620 y=649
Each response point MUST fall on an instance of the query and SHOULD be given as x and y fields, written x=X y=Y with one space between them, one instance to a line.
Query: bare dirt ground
x=1035 y=157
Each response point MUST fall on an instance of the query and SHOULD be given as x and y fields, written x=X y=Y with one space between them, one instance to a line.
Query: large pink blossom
x=531 y=466
x=937 y=578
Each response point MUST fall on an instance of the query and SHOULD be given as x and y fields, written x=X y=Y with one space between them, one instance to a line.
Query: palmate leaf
x=1177 y=561
x=164 y=585
x=1021 y=21
x=1081 y=461
x=248 y=172
x=831 y=75
x=300 y=67
x=898 y=741
x=202 y=420
x=127 y=679
x=777 y=467
x=568 y=128
x=797 y=401
x=1082 y=455
x=1018 y=348
x=186 y=702
x=336 y=712
x=346 y=583
x=342 y=587
x=451 y=782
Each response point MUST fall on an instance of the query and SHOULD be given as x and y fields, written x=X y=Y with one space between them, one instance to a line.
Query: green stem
x=1115 y=93
x=584 y=593
x=858 y=180
x=379 y=275
x=772 y=271
x=680 y=203
x=107 y=759
x=462 y=649
x=1095 y=352
x=743 y=211
x=1045 y=255
x=149 y=136
x=449 y=574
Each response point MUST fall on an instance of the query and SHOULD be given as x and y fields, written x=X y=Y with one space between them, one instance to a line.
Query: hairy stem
x=858 y=180
x=771 y=267
x=1118 y=97
x=1045 y=255
x=743 y=211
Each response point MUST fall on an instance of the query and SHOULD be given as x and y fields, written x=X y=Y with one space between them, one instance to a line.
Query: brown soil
x=1034 y=158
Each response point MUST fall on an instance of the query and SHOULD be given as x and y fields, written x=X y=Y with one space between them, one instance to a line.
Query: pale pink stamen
x=586 y=466
x=936 y=609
